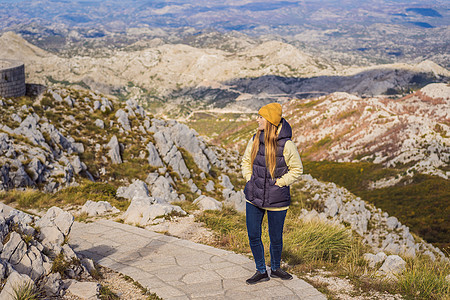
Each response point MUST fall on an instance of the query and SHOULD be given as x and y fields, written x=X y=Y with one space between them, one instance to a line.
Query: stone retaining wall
x=12 y=78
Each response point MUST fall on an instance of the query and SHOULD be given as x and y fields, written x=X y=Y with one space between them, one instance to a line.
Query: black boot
x=258 y=277
x=278 y=273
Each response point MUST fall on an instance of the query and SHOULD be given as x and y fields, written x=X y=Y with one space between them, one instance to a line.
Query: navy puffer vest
x=261 y=189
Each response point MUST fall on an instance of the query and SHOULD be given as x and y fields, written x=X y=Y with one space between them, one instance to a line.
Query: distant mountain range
x=188 y=77
x=350 y=32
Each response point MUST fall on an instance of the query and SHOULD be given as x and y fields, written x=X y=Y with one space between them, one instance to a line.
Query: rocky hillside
x=411 y=131
x=65 y=136
x=161 y=74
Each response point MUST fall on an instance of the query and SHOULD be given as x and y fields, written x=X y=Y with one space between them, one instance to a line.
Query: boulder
x=162 y=189
x=392 y=265
x=114 y=152
x=97 y=104
x=392 y=223
x=226 y=182
x=52 y=285
x=143 y=210
x=99 y=123
x=170 y=153
x=234 y=199
x=208 y=203
x=373 y=260
x=122 y=118
x=54 y=227
x=210 y=186
x=36 y=170
x=93 y=208
x=14 y=249
x=137 y=189
x=153 y=156
x=20 y=178
x=84 y=290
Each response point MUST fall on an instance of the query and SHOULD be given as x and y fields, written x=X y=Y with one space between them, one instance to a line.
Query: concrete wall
x=12 y=78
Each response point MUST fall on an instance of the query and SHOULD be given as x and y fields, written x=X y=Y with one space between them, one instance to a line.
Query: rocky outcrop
x=383 y=233
x=411 y=131
x=30 y=246
x=207 y=203
x=99 y=208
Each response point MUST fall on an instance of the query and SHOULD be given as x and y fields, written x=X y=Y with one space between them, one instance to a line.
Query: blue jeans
x=275 y=219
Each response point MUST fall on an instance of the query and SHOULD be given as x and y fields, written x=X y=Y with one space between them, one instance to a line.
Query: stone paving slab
x=179 y=269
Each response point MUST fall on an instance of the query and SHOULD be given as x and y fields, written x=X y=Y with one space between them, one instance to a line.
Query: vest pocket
x=248 y=190
x=278 y=194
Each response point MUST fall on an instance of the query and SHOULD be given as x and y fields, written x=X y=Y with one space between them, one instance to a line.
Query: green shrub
x=26 y=291
x=310 y=241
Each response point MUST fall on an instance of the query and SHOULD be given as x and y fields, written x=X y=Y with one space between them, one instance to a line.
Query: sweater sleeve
x=294 y=163
x=247 y=161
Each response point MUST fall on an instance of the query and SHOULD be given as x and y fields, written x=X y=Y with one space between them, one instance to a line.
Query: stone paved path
x=179 y=269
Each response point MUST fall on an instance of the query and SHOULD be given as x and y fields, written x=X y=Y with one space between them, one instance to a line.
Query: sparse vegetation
x=27 y=291
x=418 y=202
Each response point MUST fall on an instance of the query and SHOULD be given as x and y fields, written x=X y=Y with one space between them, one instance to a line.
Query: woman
x=270 y=164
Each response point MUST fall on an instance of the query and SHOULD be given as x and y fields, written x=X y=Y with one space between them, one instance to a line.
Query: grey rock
x=114 y=152
x=137 y=189
x=151 y=178
x=20 y=218
x=6 y=146
x=99 y=208
x=226 y=182
x=332 y=205
x=192 y=186
x=20 y=178
x=57 y=97
x=58 y=139
x=69 y=254
x=143 y=210
x=393 y=248
x=147 y=124
x=234 y=199
x=99 y=123
x=51 y=238
x=3 y=270
x=162 y=188
x=122 y=118
x=170 y=153
x=15 y=280
x=69 y=101
x=36 y=170
x=153 y=156
x=14 y=249
x=84 y=290
x=210 y=186
x=53 y=285
x=77 y=165
x=106 y=105
x=5 y=181
x=88 y=264
x=393 y=264
x=54 y=226
x=373 y=260
x=208 y=203
x=16 y=118
x=392 y=223
x=430 y=255
x=97 y=104
x=32 y=264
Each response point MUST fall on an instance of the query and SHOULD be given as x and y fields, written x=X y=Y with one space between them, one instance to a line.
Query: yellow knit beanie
x=271 y=112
